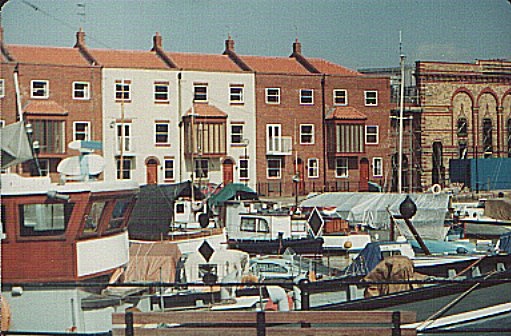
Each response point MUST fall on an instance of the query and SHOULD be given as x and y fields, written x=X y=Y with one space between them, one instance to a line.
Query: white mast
x=401 y=104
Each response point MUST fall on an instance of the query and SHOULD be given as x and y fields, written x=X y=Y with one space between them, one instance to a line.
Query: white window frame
x=313 y=168
x=277 y=169
x=127 y=138
x=274 y=142
x=342 y=168
x=85 y=90
x=45 y=89
x=205 y=94
x=368 y=101
x=2 y=87
x=167 y=170
x=157 y=133
x=120 y=86
x=161 y=96
x=87 y=132
x=243 y=169
x=236 y=97
x=204 y=174
x=335 y=97
x=128 y=170
x=375 y=134
x=240 y=134
x=306 y=96
x=377 y=167
x=272 y=95
x=311 y=134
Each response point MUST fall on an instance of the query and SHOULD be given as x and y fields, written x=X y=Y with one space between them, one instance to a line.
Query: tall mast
x=401 y=106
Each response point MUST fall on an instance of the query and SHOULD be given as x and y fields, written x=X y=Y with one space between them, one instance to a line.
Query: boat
x=62 y=235
x=258 y=227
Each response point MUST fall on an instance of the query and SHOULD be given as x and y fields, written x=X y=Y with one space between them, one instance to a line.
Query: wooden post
x=396 y=323
x=261 y=323
x=129 y=324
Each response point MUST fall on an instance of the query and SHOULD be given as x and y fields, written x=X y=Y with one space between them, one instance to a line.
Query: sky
x=353 y=33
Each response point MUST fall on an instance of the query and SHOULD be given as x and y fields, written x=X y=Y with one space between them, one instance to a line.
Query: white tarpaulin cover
x=14 y=144
x=371 y=209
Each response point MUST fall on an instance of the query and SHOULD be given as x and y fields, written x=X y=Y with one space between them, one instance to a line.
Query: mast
x=401 y=105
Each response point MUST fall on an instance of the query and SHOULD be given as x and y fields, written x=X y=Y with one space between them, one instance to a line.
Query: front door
x=364 y=175
x=152 y=171
x=227 y=172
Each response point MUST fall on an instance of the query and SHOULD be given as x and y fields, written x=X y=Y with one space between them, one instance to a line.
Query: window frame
x=334 y=94
x=169 y=170
x=127 y=172
x=87 y=133
x=377 y=167
x=204 y=167
x=244 y=170
x=275 y=96
x=276 y=169
x=85 y=90
x=236 y=135
x=306 y=99
x=127 y=138
x=122 y=95
x=313 y=169
x=339 y=167
x=161 y=133
x=45 y=89
x=165 y=94
x=196 y=94
x=303 y=134
x=2 y=87
x=240 y=95
x=368 y=100
x=373 y=134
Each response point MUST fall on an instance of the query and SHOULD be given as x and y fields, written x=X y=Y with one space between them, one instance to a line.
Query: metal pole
x=401 y=106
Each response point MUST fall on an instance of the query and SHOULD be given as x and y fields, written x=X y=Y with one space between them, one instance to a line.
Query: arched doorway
x=227 y=171
x=152 y=171
x=364 y=175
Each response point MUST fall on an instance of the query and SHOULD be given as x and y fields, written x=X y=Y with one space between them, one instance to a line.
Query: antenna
x=81 y=12
x=296 y=31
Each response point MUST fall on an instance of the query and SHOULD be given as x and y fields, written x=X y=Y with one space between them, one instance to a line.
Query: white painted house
x=170 y=115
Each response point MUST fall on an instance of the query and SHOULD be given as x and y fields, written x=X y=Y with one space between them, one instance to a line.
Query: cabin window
x=92 y=220
x=119 y=214
x=387 y=254
x=44 y=219
x=254 y=225
x=205 y=269
x=180 y=208
x=248 y=224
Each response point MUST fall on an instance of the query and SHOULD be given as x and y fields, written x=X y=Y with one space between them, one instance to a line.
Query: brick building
x=60 y=97
x=466 y=113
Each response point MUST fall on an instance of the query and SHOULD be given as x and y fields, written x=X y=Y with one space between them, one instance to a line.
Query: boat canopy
x=232 y=191
x=14 y=144
x=372 y=209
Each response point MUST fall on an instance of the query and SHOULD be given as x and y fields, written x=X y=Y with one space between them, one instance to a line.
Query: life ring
x=436 y=189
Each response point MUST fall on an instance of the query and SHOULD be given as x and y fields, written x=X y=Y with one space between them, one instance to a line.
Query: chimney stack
x=157 y=42
x=297 y=47
x=80 y=38
x=229 y=44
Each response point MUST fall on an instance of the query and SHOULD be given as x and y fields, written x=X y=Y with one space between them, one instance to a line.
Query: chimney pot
x=80 y=38
x=157 y=42
x=229 y=44
x=297 y=47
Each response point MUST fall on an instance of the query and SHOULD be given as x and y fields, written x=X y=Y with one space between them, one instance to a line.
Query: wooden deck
x=245 y=323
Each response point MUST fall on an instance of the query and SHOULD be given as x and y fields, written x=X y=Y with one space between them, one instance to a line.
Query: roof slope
x=46 y=55
x=204 y=62
x=128 y=59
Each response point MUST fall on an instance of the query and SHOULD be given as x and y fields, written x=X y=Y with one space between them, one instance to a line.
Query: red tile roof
x=346 y=112
x=330 y=68
x=44 y=107
x=206 y=110
x=274 y=64
x=128 y=59
x=46 y=55
x=205 y=62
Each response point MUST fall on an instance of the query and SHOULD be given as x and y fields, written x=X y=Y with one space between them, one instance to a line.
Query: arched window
x=487 y=137
x=462 y=127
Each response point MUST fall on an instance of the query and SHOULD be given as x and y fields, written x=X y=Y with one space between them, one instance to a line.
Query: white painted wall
x=143 y=112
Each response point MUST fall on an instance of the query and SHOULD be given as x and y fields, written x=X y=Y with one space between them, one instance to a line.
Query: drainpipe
x=180 y=123
x=323 y=123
